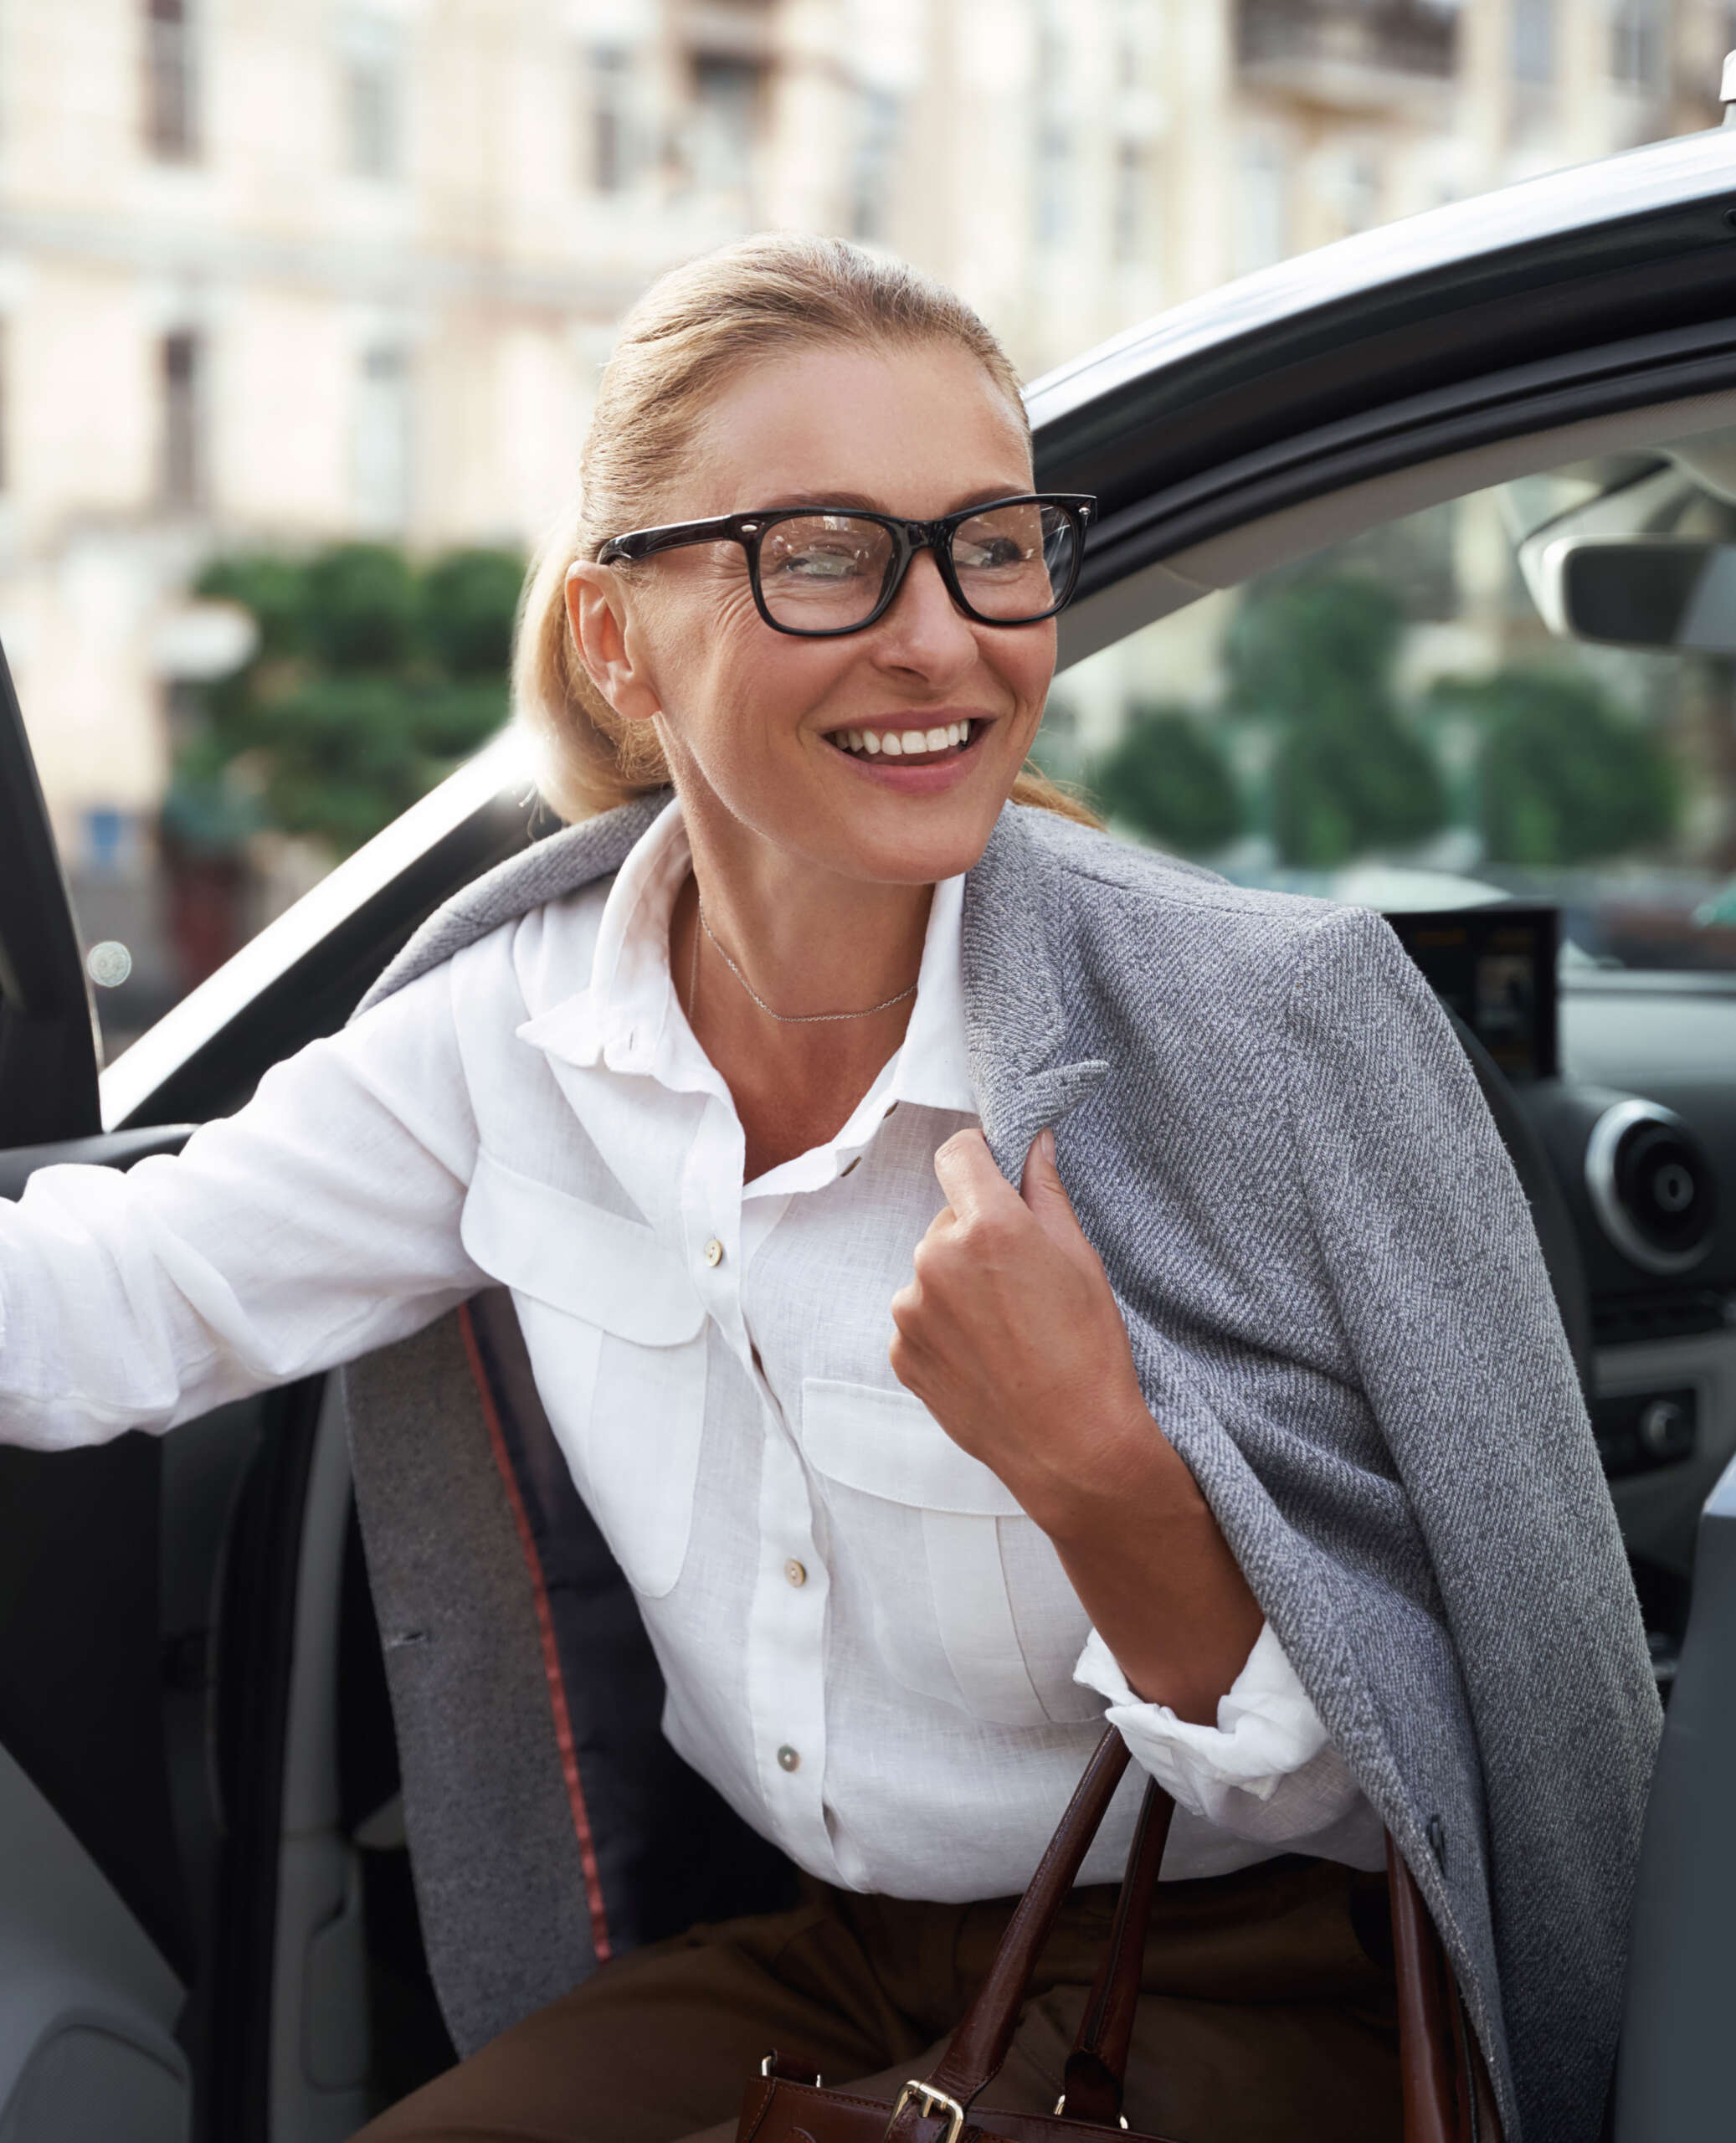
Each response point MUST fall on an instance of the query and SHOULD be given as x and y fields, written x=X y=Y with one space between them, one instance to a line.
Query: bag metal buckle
x=767 y=2068
x=933 y=2102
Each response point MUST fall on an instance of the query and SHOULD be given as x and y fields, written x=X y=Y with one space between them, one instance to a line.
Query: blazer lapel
x=1024 y=1073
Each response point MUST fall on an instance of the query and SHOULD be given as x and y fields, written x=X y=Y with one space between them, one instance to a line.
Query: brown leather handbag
x=1445 y=2089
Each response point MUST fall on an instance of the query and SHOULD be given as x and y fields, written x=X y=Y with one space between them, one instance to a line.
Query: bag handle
x=980 y=2046
x=1092 y=2084
x=1445 y=2090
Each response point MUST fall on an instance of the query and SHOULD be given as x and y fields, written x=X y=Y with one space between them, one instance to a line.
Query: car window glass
x=1528 y=691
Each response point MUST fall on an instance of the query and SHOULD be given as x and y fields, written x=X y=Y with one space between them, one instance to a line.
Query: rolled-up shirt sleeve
x=1266 y=1772
x=319 y=1221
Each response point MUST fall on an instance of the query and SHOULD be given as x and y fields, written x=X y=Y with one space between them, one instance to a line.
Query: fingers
x=969 y=1176
x=1043 y=1191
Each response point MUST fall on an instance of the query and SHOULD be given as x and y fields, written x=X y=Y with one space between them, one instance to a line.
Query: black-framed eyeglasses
x=817 y=573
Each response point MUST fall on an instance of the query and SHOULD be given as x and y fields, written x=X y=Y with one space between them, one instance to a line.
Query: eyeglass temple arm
x=642 y=542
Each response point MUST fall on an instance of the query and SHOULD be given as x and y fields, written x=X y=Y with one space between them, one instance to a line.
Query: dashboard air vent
x=1651 y=1186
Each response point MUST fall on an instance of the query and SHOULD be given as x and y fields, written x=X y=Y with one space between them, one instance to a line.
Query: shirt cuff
x=1266 y=1771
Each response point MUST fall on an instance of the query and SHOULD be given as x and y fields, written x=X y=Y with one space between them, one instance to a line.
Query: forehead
x=915 y=430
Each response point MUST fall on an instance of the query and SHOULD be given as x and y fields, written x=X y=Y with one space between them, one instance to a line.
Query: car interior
x=231 y=1943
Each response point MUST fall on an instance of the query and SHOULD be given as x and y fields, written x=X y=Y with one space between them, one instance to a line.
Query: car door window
x=1527 y=691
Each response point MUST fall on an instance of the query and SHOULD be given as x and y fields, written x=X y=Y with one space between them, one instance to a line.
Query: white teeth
x=899 y=744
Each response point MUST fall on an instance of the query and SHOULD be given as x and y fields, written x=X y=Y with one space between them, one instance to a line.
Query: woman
x=1225 y=1388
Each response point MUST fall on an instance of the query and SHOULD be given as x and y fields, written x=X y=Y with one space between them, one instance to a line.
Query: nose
x=925 y=631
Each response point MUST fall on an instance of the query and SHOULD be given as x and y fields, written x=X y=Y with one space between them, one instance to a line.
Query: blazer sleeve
x=1433 y=1263
x=319 y=1221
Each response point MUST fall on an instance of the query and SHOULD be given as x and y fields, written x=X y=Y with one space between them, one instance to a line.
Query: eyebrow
x=859 y=502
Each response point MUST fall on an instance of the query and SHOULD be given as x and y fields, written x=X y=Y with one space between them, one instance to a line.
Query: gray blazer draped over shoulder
x=1341 y=1320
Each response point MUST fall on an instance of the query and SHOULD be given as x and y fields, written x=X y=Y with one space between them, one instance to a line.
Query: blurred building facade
x=276 y=271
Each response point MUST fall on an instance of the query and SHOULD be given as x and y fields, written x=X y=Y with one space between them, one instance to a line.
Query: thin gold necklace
x=783 y=1019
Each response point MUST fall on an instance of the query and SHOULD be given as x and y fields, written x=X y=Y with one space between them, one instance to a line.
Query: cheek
x=1024 y=662
x=738 y=686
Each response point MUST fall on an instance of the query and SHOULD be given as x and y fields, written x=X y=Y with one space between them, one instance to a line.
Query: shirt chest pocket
x=616 y=1334
x=969 y=1602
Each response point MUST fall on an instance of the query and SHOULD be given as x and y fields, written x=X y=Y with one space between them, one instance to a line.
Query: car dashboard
x=1642 y=1129
x=1628 y=1081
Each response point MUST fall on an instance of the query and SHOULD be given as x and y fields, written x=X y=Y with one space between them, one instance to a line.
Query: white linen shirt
x=869 y=1649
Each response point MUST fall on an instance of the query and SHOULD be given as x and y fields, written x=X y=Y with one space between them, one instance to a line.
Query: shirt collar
x=628 y=1019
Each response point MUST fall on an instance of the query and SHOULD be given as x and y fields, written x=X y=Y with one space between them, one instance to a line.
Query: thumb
x=1043 y=1191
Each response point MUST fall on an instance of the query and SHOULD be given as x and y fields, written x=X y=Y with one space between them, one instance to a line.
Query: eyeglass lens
x=826 y=571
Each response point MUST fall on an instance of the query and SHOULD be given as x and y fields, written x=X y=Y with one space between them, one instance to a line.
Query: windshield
x=1526 y=691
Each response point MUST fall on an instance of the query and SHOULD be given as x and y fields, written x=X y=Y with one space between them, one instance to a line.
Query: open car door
x=177 y=1903
x=96 y=1925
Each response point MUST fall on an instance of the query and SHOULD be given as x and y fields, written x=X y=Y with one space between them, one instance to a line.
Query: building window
x=170 y=81
x=1129 y=201
x=1533 y=40
x=1262 y=219
x=726 y=96
x=181 y=362
x=1055 y=182
x=1133 y=33
x=873 y=167
x=609 y=154
x=382 y=440
x=1054 y=144
x=1360 y=192
x=1635 y=43
x=372 y=62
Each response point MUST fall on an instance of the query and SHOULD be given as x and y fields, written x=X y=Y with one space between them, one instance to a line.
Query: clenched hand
x=1010 y=1335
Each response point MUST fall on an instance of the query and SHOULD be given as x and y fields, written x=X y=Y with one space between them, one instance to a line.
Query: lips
x=906 y=742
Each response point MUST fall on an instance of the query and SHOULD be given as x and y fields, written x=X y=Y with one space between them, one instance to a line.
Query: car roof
x=1545 y=268
x=1547 y=214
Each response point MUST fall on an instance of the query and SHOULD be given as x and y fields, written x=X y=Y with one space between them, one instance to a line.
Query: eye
x=984 y=553
x=822 y=562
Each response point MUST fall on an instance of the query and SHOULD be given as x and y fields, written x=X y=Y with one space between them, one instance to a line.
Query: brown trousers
x=1264 y=2018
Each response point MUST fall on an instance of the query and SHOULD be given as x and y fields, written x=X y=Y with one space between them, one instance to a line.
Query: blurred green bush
x=372 y=678
x=1563 y=776
x=1559 y=773
x=1315 y=658
x=1168 y=777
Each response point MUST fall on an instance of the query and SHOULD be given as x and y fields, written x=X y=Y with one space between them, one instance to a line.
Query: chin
x=916 y=853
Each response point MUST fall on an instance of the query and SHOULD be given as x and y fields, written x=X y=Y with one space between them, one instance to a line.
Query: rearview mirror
x=1658 y=591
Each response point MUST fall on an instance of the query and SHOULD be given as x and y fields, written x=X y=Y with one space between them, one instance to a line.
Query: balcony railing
x=1385 y=37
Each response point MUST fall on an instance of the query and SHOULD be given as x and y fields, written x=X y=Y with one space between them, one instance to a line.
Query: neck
x=809 y=942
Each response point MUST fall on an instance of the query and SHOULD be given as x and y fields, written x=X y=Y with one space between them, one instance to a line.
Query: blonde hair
x=676 y=347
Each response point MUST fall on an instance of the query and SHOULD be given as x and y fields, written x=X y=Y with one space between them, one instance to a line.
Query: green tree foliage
x=1563 y=778
x=469 y=600
x=372 y=679
x=1314 y=656
x=1167 y=776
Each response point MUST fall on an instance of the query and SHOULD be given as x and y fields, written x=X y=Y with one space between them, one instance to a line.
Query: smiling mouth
x=911 y=746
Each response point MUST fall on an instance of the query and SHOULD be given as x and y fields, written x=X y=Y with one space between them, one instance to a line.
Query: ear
x=611 y=650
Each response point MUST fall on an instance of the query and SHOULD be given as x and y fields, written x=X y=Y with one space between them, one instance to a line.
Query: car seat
x=550 y=1824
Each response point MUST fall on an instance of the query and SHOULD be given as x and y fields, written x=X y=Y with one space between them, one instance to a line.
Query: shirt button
x=714 y=1251
x=795 y=1572
x=787 y=1758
